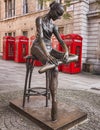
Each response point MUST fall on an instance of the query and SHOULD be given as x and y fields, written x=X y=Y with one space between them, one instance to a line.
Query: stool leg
x=26 y=79
x=30 y=76
x=47 y=87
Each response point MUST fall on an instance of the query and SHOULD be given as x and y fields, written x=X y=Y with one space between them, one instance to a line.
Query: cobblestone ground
x=10 y=119
x=87 y=101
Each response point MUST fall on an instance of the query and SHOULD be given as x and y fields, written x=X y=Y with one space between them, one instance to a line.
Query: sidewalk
x=82 y=89
x=12 y=77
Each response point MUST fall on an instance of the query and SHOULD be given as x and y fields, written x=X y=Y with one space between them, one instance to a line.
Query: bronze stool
x=28 y=91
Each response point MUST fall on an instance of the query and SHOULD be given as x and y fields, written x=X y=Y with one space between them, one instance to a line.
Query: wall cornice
x=25 y=15
x=93 y=14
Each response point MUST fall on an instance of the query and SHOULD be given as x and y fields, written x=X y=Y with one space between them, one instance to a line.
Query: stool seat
x=34 y=91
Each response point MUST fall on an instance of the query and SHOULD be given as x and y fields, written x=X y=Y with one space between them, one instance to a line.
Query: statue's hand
x=65 y=58
x=52 y=60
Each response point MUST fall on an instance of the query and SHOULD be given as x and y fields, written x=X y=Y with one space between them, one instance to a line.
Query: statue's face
x=57 y=13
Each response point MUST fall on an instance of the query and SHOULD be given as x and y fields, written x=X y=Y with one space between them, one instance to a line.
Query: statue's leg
x=39 y=54
x=53 y=90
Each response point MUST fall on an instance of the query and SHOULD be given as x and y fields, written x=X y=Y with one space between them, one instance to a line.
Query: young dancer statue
x=42 y=50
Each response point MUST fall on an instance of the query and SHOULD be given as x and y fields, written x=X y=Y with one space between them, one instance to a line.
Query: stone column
x=81 y=9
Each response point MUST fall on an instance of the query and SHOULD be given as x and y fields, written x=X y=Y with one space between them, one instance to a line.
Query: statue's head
x=56 y=10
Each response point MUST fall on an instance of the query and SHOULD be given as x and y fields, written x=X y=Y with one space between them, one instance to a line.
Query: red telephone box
x=8 y=48
x=74 y=43
x=36 y=62
x=21 y=48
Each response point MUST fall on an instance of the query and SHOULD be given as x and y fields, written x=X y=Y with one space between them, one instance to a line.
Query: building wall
x=26 y=22
x=0 y=25
x=0 y=9
x=93 y=50
x=85 y=21
x=93 y=39
x=81 y=10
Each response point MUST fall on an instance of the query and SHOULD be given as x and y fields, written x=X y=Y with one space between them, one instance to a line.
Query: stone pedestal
x=35 y=110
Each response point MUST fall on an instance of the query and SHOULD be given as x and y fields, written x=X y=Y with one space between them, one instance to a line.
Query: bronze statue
x=42 y=50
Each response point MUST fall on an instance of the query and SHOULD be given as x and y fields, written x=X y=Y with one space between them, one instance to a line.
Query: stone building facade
x=18 y=18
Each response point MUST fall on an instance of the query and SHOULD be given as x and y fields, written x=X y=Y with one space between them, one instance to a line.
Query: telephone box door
x=74 y=43
x=21 y=48
x=8 y=48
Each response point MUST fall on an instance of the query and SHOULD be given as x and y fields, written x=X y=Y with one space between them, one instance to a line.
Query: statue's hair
x=54 y=5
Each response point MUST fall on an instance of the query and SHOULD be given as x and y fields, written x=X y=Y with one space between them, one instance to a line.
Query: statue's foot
x=72 y=58
x=54 y=118
x=54 y=112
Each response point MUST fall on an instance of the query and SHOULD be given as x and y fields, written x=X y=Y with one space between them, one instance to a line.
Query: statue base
x=35 y=110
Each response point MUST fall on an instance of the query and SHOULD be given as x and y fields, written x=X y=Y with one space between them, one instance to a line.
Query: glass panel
x=25 y=7
x=5 y=9
x=25 y=33
x=9 y=34
x=13 y=7
x=9 y=8
x=40 y=5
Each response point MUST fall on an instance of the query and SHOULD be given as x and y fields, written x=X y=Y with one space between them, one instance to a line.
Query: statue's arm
x=64 y=46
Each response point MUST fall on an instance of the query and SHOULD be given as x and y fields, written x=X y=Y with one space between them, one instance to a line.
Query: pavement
x=82 y=90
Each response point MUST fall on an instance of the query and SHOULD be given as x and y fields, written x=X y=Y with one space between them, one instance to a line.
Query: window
x=10 y=34
x=5 y=34
x=13 y=8
x=5 y=8
x=14 y=34
x=60 y=1
x=25 y=33
x=40 y=4
x=25 y=7
x=61 y=30
x=9 y=8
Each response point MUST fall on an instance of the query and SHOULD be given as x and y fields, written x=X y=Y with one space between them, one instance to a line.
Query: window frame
x=9 y=8
x=25 y=7
x=25 y=31
x=39 y=6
